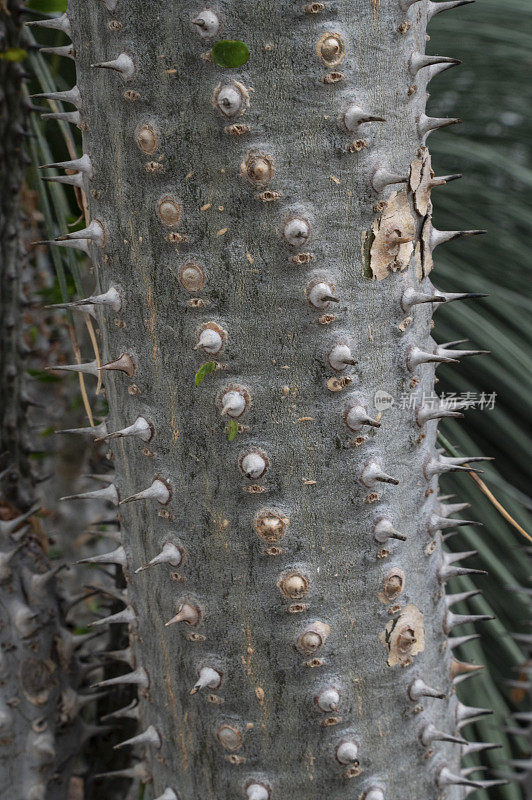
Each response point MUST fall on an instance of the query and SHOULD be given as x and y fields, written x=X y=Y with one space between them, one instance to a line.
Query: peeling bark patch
x=356 y=146
x=393 y=233
x=337 y=384
x=326 y=319
x=424 y=260
x=421 y=181
x=404 y=637
x=367 y=242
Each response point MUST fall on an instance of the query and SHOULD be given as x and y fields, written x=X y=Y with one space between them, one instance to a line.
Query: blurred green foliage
x=492 y=93
x=48 y=6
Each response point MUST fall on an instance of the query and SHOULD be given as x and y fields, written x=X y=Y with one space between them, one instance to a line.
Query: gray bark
x=277 y=349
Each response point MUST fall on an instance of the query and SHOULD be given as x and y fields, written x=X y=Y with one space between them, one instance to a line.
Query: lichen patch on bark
x=404 y=637
x=389 y=252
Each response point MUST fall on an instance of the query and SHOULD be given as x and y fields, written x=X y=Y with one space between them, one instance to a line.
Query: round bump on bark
x=211 y=338
x=271 y=526
x=230 y=99
x=147 y=138
x=233 y=401
x=258 y=167
x=375 y=793
x=328 y=699
x=192 y=277
x=253 y=464
x=331 y=49
x=312 y=638
x=296 y=231
x=229 y=737
x=340 y=357
x=257 y=791
x=347 y=753
x=293 y=584
x=320 y=294
x=206 y=23
x=393 y=584
x=170 y=211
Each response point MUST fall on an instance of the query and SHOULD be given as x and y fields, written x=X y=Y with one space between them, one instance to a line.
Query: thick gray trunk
x=184 y=165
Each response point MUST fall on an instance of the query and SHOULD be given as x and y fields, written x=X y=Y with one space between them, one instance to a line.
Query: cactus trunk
x=274 y=219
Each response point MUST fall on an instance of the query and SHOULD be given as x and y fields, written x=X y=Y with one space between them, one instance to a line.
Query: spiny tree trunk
x=274 y=219
x=18 y=485
x=40 y=727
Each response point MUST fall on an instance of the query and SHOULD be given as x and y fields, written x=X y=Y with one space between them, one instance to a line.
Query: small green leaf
x=82 y=631
x=227 y=53
x=205 y=369
x=52 y=294
x=232 y=429
x=48 y=431
x=33 y=333
x=42 y=376
x=14 y=54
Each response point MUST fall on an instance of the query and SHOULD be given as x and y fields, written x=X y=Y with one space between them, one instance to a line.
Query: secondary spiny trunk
x=40 y=729
x=274 y=219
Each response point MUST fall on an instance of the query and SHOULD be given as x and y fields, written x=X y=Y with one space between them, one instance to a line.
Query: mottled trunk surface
x=169 y=190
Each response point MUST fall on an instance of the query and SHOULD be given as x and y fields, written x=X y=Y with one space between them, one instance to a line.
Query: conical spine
x=61 y=23
x=117 y=556
x=65 y=51
x=82 y=164
x=108 y=493
x=149 y=736
x=95 y=232
x=138 y=677
x=72 y=96
x=445 y=5
x=123 y=64
x=141 y=428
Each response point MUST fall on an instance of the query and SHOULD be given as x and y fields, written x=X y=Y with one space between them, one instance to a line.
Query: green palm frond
x=492 y=92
